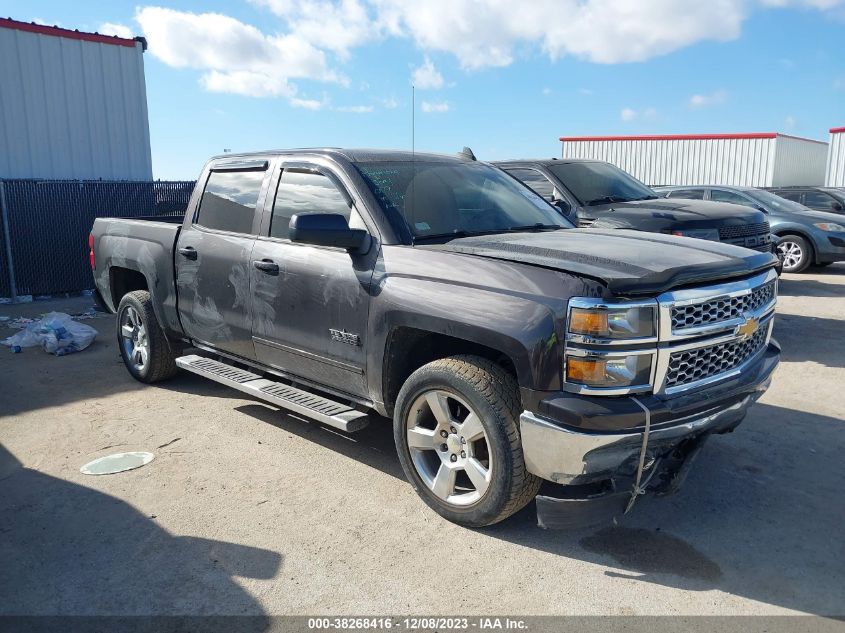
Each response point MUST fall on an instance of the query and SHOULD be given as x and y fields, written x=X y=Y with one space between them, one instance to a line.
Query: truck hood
x=669 y=214
x=628 y=262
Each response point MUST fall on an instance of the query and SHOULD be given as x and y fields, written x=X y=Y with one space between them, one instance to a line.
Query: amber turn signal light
x=593 y=322
x=585 y=371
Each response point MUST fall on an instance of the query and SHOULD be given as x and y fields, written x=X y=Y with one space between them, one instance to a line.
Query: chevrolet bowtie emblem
x=747 y=329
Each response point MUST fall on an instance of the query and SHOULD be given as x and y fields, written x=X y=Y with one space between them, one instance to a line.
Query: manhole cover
x=116 y=463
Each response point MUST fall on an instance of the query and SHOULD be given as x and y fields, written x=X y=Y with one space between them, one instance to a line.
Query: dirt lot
x=246 y=510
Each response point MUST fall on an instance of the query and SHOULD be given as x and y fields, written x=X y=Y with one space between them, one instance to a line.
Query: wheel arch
x=409 y=348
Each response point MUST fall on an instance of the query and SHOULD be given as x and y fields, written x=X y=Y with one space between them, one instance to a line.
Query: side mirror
x=562 y=205
x=836 y=206
x=328 y=229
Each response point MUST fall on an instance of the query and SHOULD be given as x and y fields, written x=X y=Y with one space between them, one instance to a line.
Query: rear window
x=228 y=202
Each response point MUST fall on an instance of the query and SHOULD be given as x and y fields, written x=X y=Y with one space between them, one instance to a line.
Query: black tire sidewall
x=488 y=507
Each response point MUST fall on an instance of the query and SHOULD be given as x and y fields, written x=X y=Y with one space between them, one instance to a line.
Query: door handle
x=267 y=265
x=188 y=251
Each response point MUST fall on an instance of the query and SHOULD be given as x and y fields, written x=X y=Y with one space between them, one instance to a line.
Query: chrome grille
x=743 y=230
x=722 y=309
x=692 y=365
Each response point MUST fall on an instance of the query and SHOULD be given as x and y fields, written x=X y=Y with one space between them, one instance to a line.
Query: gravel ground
x=247 y=510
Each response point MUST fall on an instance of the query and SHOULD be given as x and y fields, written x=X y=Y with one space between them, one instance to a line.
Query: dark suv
x=805 y=236
x=596 y=194
x=827 y=199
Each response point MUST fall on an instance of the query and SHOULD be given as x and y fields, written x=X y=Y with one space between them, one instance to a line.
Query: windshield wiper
x=605 y=200
x=649 y=197
x=539 y=226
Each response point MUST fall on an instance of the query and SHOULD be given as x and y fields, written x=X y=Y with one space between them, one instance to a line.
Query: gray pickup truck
x=508 y=347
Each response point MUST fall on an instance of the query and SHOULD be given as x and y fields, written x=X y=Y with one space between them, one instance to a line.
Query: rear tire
x=471 y=407
x=142 y=343
x=797 y=253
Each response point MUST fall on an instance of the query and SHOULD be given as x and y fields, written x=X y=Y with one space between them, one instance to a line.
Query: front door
x=310 y=303
x=213 y=261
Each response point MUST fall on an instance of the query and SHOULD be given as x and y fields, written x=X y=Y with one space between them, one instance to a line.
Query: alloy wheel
x=792 y=254
x=449 y=447
x=134 y=339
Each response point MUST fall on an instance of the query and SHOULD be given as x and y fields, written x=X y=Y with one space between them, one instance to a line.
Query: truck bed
x=145 y=245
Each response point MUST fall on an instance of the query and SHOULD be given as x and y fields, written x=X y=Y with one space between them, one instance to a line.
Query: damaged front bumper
x=595 y=454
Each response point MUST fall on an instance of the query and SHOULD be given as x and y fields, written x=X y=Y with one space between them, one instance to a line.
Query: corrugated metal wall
x=72 y=109
x=836 y=159
x=753 y=160
x=799 y=161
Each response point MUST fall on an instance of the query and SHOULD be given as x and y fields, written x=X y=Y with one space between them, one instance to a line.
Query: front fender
x=525 y=331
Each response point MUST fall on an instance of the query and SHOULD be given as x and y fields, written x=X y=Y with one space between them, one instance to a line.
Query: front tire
x=142 y=343
x=456 y=428
x=797 y=253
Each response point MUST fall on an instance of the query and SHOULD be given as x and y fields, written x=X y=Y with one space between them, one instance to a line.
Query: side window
x=534 y=179
x=818 y=200
x=720 y=195
x=795 y=196
x=303 y=192
x=228 y=202
x=687 y=194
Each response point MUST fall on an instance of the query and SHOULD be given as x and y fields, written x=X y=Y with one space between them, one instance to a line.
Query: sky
x=502 y=77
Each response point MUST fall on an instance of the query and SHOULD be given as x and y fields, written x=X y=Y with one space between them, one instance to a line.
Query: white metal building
x=72 y=105
x=836 y=158
x=757 y=160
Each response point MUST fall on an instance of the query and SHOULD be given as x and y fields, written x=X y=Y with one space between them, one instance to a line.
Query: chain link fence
x=49 y=222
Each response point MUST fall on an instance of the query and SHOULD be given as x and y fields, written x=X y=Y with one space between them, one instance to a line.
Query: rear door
x=213 y=256
x=311 y=303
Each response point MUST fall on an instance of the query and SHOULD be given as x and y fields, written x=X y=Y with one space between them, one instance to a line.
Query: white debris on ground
x=55 y=332
x=19 y=323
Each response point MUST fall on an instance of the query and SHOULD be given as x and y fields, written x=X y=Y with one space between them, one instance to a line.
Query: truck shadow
x=372 y=445
x=70 y=550
x=759 y=518
x=797 y=287
x=823 y=346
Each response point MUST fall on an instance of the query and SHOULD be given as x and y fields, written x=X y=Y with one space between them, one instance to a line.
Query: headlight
x=602 y=371
x=830 y=226
x=613 y=322
x=700 y=234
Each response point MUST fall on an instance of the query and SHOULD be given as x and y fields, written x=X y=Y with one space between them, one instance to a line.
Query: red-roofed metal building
x=836 y=158
x=73 y=105
x=759 y=159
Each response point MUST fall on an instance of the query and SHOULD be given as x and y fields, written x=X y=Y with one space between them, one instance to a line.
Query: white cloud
x=427 y=77
x=706 y=100
x=356 y=109
x=436 y=106
x=335 y=25
x=585 y=91
x=307 y=35
x=234 y=57
x=839 y=83
x=111 y=28
x=790 y=122
x=629 y=114
x=547 y=91
x=390 y=103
